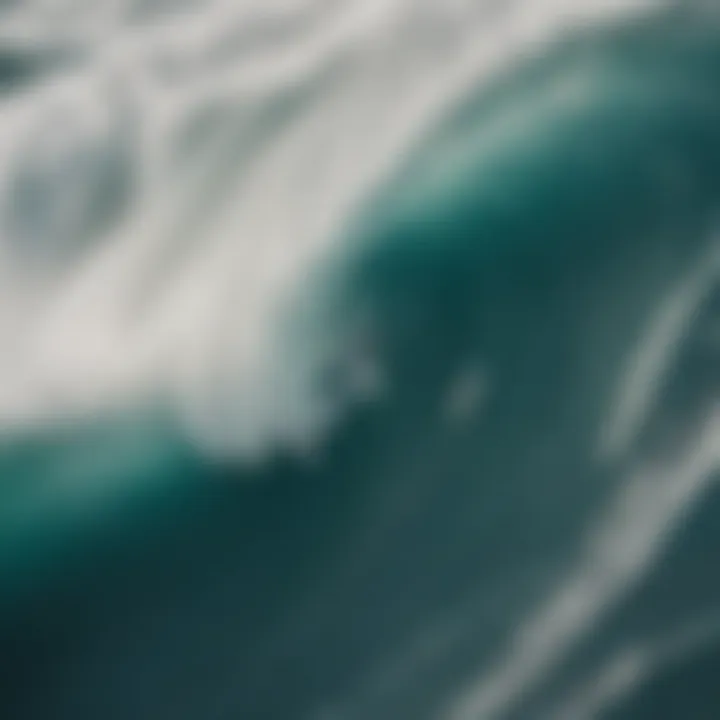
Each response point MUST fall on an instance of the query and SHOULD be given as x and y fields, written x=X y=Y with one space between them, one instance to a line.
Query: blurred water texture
x=359 y=360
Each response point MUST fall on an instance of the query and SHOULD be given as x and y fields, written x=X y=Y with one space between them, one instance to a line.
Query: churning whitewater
x=201 y=163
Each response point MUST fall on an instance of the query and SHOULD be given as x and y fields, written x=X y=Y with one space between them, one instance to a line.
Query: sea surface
x=359 y=360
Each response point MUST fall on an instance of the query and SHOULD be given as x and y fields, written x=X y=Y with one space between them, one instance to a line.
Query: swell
x=536 y=239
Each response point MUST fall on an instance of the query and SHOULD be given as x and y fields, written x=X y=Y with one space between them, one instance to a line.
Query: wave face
x=359 y=360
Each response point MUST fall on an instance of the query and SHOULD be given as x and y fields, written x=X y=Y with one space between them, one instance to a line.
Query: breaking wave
x=434 y=283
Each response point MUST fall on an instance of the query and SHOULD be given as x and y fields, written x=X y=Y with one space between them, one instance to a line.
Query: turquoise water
x=359 y=361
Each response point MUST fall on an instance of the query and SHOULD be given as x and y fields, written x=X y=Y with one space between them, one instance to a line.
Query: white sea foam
x=648 y=364
x=177 y=295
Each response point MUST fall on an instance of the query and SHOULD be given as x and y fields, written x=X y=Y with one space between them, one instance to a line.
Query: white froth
x=648 y=364
x=178 y=297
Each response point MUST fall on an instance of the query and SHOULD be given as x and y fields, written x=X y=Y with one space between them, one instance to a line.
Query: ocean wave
x=437 y=280
x=171 y=187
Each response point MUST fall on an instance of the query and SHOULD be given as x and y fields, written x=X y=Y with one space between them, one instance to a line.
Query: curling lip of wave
x=97 y=325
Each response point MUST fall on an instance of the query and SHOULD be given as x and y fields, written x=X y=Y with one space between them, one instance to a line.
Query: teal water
x=454 y=459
